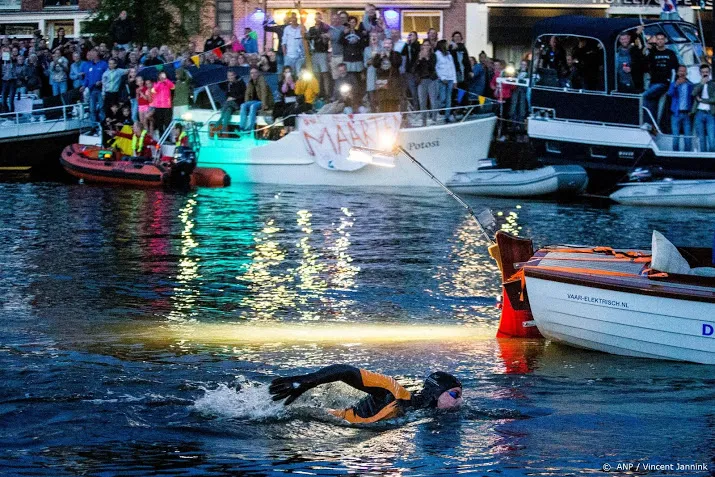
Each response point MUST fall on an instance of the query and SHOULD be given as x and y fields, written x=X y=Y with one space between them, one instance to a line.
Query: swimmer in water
x=386 y=398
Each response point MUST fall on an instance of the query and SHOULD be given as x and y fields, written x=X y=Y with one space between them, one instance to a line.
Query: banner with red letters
x=329 y=137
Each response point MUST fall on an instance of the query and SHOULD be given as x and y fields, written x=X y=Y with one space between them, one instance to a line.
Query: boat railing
x=48 y=120
x=410 y=119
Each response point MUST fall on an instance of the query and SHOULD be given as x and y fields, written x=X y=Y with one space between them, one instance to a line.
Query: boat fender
x=210 y=177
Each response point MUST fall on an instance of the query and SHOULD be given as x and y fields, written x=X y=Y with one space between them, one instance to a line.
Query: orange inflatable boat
x=96 y=164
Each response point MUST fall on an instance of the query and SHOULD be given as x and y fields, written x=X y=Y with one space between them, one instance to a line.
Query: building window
x=224 y=16
x=60 y=3
x=10 y=4
x=421 y=21
x=18 y=29
x=51 y=28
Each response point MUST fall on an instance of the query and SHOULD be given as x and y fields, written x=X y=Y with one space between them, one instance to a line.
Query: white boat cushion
x=703 y=271
x=666 y=257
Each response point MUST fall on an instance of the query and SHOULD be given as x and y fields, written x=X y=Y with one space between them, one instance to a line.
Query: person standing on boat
x=629 y=61
x=447 y=75
x=258 y=97
x=681 y=93
x=235 y=94
x=319 y=36
x=293 y=53
x=370 y=53
x=704 y=109
x=388 y=80
x=271 y=26
x=161 y=94
x=427 y=88
x=662 y=64
x=353 y=45
x=461 y=60
x=410 y=54
x=386 y=398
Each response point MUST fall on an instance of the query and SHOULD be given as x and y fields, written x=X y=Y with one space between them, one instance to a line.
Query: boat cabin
x=592 y=69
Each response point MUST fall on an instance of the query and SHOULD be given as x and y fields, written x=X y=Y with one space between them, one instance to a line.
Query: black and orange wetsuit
x=386 y=398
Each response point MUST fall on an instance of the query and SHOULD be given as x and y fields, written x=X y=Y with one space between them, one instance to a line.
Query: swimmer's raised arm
x=292 y=387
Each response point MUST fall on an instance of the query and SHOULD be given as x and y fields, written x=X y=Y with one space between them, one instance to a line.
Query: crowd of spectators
x=358 y=65
x=354 y=65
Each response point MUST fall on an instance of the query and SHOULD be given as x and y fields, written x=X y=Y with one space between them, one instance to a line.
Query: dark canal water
x=139 y=330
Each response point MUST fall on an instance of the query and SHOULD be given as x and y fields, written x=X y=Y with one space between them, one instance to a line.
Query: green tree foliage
x=156 y=22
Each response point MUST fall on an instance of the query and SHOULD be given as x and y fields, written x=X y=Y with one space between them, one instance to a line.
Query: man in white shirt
x=293 y=45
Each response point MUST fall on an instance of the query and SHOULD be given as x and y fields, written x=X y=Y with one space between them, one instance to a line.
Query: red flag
x=217 y=51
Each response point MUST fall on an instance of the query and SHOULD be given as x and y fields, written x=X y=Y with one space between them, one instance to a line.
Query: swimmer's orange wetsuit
x=386 y=398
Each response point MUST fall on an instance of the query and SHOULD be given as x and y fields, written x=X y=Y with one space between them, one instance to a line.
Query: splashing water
x=250 y=402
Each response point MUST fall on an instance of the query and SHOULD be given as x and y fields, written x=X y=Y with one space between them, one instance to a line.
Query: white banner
x=329 y=137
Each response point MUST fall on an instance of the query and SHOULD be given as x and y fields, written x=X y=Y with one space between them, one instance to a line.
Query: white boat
x=544 y=181
x=318 y=156
x=33 y=139
x=608 y=300
x=674 y=193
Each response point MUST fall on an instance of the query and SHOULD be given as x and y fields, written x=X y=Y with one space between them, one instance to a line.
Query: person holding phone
x=58 y=73
x=371 y=21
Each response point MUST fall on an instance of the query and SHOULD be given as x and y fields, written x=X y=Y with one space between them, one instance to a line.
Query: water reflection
x=270 y=288
x=342 y=276
x=186 y=292
x=379 y=280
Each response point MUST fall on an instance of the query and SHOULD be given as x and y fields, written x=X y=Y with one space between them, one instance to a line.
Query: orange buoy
x=210 y=177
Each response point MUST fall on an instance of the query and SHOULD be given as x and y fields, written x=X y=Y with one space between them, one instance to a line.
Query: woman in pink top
x=161 y=102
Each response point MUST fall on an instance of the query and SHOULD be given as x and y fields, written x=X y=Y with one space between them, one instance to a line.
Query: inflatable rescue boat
x=97 y=164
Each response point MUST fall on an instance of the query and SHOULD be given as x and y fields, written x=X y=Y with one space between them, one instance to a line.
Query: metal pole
x=452 y=194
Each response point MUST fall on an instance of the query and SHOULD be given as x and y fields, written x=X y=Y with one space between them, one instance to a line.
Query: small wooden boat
x=95 y=164
x=671 y=193
x=544 y=181
x=611 y=300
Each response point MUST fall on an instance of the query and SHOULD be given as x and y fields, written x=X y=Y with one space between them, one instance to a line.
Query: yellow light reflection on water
x=222 y=333
x=343 y=276
x=269 y=291
x=272 y=287
x=474 y=270
x=511 y=221
x=185 y=296
x=310 y=267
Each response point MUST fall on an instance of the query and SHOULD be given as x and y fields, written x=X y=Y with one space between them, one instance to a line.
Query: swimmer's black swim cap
x=435 y=385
